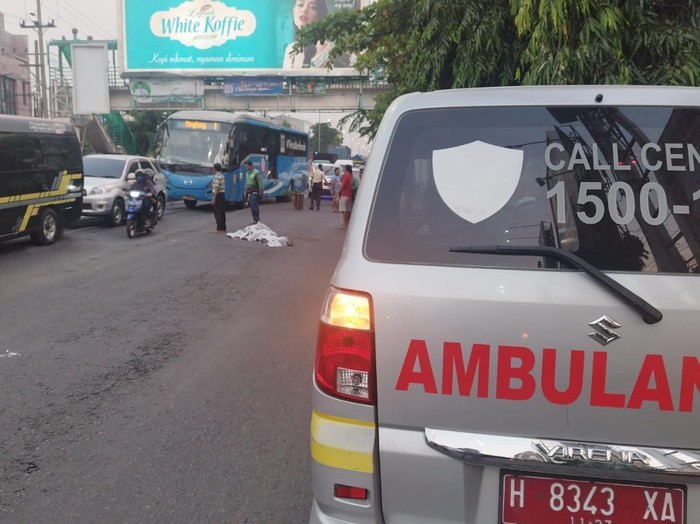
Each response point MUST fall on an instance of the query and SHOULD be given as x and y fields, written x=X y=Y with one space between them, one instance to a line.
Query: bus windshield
x=190 y=142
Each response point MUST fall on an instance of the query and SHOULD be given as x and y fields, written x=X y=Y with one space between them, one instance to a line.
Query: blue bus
x=192 y=141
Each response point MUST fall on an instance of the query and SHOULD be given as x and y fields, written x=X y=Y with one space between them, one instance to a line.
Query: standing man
x=345 y=195
x=254 y=186
x=335 y=188
x=316 y=187
x=218 y=201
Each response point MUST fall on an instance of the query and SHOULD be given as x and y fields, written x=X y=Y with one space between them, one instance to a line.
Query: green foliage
x=143 y=125
x=328 y=136
x=609 y=42
x=424 y=45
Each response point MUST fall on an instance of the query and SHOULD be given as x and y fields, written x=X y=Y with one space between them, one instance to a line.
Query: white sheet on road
x=261 y=233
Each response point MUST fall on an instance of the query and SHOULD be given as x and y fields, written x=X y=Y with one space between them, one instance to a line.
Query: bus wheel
x=160 y=207
x=190 y=204
x=48 y=229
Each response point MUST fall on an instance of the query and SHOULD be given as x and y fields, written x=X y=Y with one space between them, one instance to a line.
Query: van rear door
x=516 y=388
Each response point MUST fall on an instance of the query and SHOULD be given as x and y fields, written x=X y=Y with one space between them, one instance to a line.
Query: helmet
x=141 y=175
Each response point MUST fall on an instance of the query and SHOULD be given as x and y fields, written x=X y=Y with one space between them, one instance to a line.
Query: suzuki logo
x=477 y=180
x=188 y=182
x=604 y=333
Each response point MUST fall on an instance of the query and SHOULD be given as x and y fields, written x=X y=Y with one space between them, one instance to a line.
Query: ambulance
x=511 y=335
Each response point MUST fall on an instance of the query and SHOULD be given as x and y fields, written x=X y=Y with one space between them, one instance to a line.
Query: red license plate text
x=531 y=499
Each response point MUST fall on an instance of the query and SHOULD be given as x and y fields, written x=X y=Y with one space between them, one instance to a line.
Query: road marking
x=9 y=353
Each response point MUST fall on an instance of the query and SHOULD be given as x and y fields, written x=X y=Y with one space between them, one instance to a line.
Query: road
x=165 y=378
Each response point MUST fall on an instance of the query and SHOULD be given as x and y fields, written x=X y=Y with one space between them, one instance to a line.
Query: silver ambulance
x=512 y=333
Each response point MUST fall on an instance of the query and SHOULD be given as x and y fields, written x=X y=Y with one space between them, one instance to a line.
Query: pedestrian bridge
x=344 y=97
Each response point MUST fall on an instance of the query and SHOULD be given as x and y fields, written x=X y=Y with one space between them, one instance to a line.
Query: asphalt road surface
x=165 y=378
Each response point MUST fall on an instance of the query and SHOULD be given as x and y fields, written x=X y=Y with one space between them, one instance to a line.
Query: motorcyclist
x=144 y=183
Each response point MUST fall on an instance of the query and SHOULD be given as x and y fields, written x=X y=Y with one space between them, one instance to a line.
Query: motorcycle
x=138 y=220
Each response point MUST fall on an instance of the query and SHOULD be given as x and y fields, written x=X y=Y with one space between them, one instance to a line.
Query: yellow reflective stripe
x=27 y=215
x=62 y=189
x=33 y=210
x=342 y=443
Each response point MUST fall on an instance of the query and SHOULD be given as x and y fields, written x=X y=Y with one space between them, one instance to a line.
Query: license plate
x=533 y=499
x=188 y=197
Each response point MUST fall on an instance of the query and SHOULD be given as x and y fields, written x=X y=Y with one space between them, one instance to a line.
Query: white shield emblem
x=476 y=180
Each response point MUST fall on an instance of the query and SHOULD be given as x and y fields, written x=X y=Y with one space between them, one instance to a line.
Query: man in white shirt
x=316 y=187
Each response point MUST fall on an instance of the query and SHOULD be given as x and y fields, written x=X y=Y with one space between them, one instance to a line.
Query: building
x=15 y=88
x=342 y=152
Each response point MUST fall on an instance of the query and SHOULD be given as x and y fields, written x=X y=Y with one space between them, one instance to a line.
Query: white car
x=107 y=177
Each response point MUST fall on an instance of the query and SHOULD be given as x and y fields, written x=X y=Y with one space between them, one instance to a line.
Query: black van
x=41 y=178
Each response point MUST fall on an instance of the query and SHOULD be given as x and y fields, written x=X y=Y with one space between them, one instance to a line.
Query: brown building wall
x=15 y=84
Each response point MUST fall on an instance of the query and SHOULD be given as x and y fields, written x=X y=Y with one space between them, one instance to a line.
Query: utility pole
x=41 y=79
x=37 y=78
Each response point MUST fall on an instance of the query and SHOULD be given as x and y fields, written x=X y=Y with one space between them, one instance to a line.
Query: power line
x=83 y=19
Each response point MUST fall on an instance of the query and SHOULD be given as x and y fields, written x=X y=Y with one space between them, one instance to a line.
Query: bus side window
x=234 y=159
x=241 y=140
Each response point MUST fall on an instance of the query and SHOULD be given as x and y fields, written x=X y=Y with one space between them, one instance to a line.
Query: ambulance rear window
x=617 y=186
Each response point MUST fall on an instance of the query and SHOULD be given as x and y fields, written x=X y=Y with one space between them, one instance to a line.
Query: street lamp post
x=318 y=148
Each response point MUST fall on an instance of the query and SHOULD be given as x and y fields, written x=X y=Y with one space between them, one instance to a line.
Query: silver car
x=107 y=177
x=511 y=333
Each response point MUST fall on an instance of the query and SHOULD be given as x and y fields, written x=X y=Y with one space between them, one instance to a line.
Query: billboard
x=90 y=78
x=226 y=37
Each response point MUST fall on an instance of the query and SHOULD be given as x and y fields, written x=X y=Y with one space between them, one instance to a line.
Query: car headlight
x=101 y=190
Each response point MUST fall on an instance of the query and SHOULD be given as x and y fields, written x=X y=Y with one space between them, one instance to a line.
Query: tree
x=324 y=135
x=654 y=42
x=143 y=125
x=442 y=44
x=422 y=46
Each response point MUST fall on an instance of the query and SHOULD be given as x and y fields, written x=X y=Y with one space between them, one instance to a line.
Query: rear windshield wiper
x=649 y=313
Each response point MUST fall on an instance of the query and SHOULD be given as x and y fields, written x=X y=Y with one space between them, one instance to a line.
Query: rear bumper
x=319 y=517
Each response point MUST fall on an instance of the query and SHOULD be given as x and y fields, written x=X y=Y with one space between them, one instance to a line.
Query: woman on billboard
x=305 y=12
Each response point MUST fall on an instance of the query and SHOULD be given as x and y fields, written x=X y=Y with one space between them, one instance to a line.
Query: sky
x=98 y=18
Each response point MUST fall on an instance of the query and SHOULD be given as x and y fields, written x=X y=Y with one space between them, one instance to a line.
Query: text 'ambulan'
x=521 y=373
